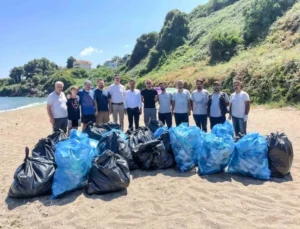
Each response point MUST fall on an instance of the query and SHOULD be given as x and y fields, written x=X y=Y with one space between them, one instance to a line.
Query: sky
x=94 y=30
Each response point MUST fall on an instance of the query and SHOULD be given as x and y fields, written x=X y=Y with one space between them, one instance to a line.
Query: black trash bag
x=109 y=126
x=152 y=155
x=44 y=148
x=165 y=139
x=141 y=135
x=57 y=136
x=154 y=125
x=109 y=173
x=94 y=132
x=33 y=178
x=280 y=154
x=114 y=142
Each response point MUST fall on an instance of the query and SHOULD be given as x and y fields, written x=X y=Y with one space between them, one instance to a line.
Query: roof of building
x=83 y=62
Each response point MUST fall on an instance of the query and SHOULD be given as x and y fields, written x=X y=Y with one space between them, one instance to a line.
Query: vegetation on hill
x=257 y=41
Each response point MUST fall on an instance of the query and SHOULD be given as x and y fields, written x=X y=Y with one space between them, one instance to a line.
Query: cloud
x=89 y=51
x=127 y=46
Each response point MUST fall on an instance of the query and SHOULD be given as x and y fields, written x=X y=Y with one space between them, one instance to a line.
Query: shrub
x=50 y=84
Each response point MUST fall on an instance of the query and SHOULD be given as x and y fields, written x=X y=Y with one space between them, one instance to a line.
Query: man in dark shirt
x=73 y=109
x=103 y=100
x=149 y=97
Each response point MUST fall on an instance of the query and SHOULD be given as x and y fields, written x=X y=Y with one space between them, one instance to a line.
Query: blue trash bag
x=74 y=159
x=76 y=134
x=215 y=153
x=250 y=157
x=223 y=129
x=186 y=143
x=122 y=134
x=160 y=131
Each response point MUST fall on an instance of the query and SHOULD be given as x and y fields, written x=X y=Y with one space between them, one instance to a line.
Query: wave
x=23 y=107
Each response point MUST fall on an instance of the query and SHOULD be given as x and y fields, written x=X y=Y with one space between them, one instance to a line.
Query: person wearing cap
x=117 y=92
x=103 y=99
x=198 y=102
x=73 y=109
x=57 y=108
x=217 y=105
x=239 y=109
x=88 y=105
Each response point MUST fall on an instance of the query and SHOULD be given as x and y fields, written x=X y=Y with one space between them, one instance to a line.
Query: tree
x=39 y=66
x=16 y=74
x=70 y=62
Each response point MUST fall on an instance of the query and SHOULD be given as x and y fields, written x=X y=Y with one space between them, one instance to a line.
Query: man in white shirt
x=117 y=92
x=165 y=102
x=217 y=105
x=181 y=104
x=199 y=101
x=239 y=109
x=57 y=108
x=133 y=105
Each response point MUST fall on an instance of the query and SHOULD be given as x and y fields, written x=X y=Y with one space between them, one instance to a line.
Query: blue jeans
x=165 y=118
x=201 y=121
x=239 y=126
x=181 y=117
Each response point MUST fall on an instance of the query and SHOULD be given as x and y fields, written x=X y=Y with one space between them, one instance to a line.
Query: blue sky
x=93 y=30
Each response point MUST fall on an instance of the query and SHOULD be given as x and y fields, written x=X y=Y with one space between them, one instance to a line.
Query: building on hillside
x=115 y=62
x=82 y=64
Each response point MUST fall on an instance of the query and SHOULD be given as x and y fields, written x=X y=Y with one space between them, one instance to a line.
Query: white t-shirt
x=238 y=105
x=58 y=105
x=181 y=100
x=117 y=93
x=200 y=99
x=215 y=110
x=164 y=100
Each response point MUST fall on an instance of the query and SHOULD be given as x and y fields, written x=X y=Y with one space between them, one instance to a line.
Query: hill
x=255 y=41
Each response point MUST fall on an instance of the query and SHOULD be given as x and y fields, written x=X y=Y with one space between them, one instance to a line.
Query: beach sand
x=159 y=199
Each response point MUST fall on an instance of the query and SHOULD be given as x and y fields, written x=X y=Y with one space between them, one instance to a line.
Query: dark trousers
x=201 y=121
x=216 y=120
x=60 y=123
x=180 y=118
x=133 y=113
x=240 y=127
x=165 y=118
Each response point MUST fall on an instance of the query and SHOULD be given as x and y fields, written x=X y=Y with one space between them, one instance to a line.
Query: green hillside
x=257 y=41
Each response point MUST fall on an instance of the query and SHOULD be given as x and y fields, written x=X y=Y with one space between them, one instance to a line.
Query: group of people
x=97 y=105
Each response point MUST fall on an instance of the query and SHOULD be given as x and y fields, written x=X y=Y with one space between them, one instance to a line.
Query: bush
x=36 y=79
x=153 y=59
x=50 y=84
x=79 y=73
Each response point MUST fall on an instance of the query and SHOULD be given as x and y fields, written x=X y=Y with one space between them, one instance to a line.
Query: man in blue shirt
x=88 y=104
x=103 y=100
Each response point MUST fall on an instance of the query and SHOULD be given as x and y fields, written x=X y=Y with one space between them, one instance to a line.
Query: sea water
x=15 y=103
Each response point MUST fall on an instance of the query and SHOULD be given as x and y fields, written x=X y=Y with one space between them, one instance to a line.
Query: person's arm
x=173 y=106
x=140 y=103
x=230 y=109
x=189 y=103
x=96 y=107
x=226 y=100
x=50 y=113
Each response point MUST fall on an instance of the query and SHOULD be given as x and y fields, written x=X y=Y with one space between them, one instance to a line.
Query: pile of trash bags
x=223 y=129
x=160 y=131
x=154 y=125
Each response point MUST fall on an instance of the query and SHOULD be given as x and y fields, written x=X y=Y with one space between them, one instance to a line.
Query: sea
x=16 y=103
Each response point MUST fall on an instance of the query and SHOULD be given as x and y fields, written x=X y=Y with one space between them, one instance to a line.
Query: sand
x=159 y=199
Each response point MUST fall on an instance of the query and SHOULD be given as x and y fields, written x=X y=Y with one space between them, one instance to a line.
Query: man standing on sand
x=57 y=108
x=103 y=99
x=199 y=101
x=149 y=97
x=88 y=105
x=133 y=105
x=181 y=104
x=117 y=92
x=165 y=102
x=239 y=109
x=217 y=105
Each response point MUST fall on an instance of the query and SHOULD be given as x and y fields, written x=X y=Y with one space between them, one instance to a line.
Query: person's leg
x=222 y=119
x=153 y=114
x=185 y=118
x=213 y=122
x=121 y=116
x=130 y=118
x=242 y=126
x=177 y=119
x=203 y=121
x=99 y=118
x=115 y=113
x=236 y=126
x=64 y=124
x=161 y=117
x=136 y=116
x=168 y=117
x=197 y=120
x=146 y=116
x=105 y=116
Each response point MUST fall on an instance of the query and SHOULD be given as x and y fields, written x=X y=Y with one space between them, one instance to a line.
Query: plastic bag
x=223 y=129
x=215 y=153
x=121 y=133
x=33 y=178
x=250 y=157
x=114 y=142
x=153 y=155
x=109 y=173
x=57 y=136
x=280 y=154
x=44 y=148
x=154 y=125
x=186 y=144
x=95 y=132
x=160 y=131
x=141 y=135
x=165 y=139
x=74 y=159
x=109 y=126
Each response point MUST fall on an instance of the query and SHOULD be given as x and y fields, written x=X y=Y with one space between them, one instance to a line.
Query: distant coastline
x=16 y=103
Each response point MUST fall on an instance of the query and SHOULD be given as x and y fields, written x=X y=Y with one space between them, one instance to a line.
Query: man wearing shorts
x=88 y=105
x=103 y=100
x=73 y=110
x=57 y=108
